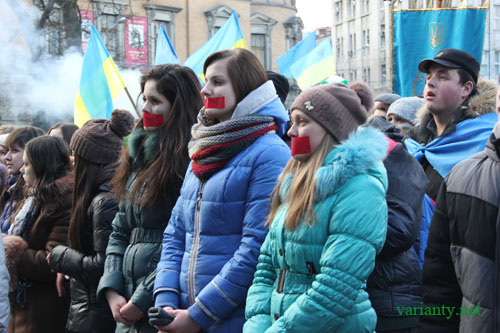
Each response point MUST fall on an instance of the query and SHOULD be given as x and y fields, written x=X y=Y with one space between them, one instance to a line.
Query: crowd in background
x=348 y=213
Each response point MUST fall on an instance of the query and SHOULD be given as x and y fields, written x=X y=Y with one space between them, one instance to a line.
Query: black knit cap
x=453 y=58
x=99 y=140
x=280 y=84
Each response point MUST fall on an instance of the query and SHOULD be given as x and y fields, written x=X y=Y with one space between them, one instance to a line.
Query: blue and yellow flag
x=165 y=51
x=229 y=36
x=100 y=82
x=295 y=53
x=421 y=34
x=314 y=67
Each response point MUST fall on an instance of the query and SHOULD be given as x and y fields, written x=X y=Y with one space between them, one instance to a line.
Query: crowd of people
x=349 y=213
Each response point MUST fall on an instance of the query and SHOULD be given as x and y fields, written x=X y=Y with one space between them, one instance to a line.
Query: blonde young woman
x=327 y=222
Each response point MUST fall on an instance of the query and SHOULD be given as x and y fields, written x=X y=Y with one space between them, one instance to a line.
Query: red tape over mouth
x=301 y=145
x=215 y=102
x=152 y=119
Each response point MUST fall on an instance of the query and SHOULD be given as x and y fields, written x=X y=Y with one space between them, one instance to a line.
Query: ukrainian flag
x=100 y=82
x=295 y=53
x=229 y=36
x=165 y=51
x=314 y=67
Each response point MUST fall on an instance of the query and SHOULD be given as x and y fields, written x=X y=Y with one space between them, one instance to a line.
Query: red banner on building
x=136 y=40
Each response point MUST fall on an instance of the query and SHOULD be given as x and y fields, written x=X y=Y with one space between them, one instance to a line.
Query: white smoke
x=46 y=87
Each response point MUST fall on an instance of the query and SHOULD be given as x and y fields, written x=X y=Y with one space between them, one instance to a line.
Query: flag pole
x=132 y=101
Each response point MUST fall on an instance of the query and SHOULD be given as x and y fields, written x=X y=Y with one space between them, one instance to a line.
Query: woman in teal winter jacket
x=328 y=220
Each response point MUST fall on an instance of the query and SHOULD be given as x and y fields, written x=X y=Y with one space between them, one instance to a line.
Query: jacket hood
x=481 y=103
x=264 y=100
x=361 y=153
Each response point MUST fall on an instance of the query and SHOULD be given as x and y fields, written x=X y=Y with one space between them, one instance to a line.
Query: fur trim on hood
x=359 y=154
x=481 y=103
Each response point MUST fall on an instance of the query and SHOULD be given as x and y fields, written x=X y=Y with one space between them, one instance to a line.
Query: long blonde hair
x=302 y=187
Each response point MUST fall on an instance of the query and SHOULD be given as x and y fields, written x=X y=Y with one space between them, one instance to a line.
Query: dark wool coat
x=396 y=279
x=85 y=269
x=462 y=259
x=44 y=311
x=481 y=103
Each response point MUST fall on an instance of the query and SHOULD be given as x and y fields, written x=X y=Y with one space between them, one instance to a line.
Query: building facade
x=129 y=28
x=362 y=33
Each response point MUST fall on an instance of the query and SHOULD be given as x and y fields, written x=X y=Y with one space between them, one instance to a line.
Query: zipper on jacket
x=194 y=248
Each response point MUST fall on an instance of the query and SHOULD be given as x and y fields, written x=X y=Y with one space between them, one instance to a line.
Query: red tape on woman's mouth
x=301 y=145
x=152 y=119
x=215 y=102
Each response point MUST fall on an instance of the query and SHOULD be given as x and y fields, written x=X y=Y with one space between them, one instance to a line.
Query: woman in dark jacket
x=147 y=184
x=396 y=284
x=40 y=225
x=97 y=147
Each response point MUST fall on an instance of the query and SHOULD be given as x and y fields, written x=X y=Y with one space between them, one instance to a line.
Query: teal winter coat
x=313 y=279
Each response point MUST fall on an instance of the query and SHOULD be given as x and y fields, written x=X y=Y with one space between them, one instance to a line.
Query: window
x=351 y=45
x=368 y=77
x=365 y=6
x=108 y=26
x=382 y=35
x=338 y=48
x=496 y=17
x=352 y=76
x=497 y=63
x=352 y=8
x=338 y=11
x=383 y=75
x=259 y=47
x=54 y=33
x=366 y=38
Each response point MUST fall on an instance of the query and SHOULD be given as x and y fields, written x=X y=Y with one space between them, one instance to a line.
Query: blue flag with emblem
x=421 y=34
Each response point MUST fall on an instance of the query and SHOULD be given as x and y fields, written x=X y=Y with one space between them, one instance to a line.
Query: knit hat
x=280 y=84
x=387 y=98
x=406 y=108
x=338 y=108
x=99 y=140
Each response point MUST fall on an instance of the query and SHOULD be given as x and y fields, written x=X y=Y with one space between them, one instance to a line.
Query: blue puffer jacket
x=211 y=244
x=313 y=279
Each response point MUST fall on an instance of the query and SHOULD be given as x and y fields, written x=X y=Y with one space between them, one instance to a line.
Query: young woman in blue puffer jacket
x=328 y=220
x=211 y=244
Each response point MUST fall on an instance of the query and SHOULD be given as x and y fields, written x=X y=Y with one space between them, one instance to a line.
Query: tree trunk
x=71 y=23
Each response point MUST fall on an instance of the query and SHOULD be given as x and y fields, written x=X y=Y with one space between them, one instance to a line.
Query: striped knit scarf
x=211 y=147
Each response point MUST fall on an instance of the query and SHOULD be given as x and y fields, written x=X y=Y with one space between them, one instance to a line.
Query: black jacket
x=395 y=281
x=85 y=269
x=481 y=103
x=462 y=259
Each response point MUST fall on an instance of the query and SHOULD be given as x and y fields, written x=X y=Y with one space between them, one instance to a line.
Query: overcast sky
x=315 y=13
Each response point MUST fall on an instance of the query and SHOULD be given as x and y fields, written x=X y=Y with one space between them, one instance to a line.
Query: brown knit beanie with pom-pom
x=338 y=108
x=100 y=141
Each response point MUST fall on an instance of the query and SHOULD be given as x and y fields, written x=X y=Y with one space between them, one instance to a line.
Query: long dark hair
x=163 y=177
x=49 y=158
x=86 y=188
x=67 y=130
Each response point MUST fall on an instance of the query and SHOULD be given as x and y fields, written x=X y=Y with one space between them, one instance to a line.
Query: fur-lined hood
x=483 y=102
x=359 y=154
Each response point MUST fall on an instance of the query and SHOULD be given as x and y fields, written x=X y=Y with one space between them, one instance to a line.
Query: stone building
x=129 y=28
